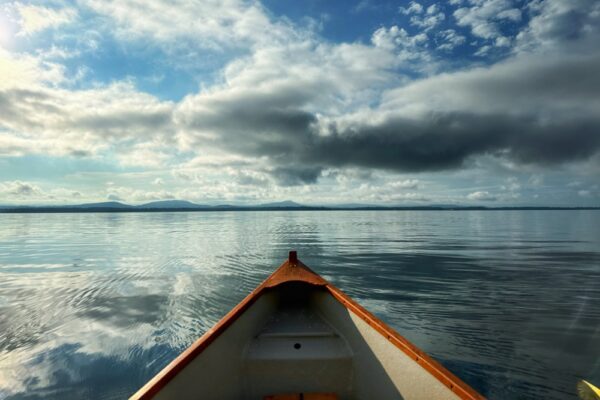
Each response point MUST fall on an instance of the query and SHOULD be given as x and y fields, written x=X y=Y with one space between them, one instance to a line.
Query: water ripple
x=92 y=305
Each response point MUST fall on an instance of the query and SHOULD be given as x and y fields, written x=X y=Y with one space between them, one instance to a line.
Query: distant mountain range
x=184 y=205
x=106 y=204
x=171 y=205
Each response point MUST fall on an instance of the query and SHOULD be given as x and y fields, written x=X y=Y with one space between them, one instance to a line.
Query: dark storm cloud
x=445 y=141
x=273 y=132
x=255 y=122
x=532 y=111
x=296 y=175
x=539 y=106
x=439 y=141
x=435 y=143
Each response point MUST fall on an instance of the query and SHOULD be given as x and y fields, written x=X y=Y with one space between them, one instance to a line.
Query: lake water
x=93 y=305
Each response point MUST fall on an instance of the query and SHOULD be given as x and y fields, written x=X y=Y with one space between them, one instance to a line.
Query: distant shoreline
x=134 y=209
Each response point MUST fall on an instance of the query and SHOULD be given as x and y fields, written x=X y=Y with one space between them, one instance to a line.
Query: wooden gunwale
x=295 y=270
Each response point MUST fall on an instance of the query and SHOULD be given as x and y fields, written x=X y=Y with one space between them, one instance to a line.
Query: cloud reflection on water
x=93 y=305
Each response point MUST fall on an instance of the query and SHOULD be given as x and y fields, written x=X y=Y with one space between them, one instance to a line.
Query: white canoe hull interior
x=298 y=338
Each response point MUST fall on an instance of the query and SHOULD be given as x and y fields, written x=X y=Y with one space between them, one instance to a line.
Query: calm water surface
x=93 y=305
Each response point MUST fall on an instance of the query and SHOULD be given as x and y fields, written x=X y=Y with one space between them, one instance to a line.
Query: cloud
x=19 y=189
x=483 y=17
x=28 y=192
x=413 y=8
x=483 y=51
x=296 y=175
x=536 y=181
x=399 y=41
x=38 y=119
x=555 y=24
x=451 y=39
x=481 y=196
x=502 y=41
x=406 y=184
x=366 y=5
x=527 y=109
x=34 y=19
x=512 y=184
x=428 y=21
x=391 y=192
x=584 y=193
x=149 y=153
x=537 y=115
x=212 y=24
x=21 y=70
x=113 y=197
x=247 y=177
x=292 y=107
x=400 y=197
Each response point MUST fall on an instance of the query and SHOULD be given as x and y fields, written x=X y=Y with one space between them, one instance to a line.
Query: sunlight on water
x=93 y=305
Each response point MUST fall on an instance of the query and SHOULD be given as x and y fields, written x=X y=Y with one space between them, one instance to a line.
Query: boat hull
x=297 y=334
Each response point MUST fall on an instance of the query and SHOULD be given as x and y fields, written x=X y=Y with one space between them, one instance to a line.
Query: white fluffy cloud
x=43 y=119
x=22 y=70
x=413 y=8
x=561 y=24
x=433 y=17
x=19 y=189
x=406 y=184
x=481 y=196
x=484 y=17
x=34 y=19
x=30 y=192
x=450 y=39
x=211 y=23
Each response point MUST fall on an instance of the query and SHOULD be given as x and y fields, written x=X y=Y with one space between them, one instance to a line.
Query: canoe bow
x=293 y=270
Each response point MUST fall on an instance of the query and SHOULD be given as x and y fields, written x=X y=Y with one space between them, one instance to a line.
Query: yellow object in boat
x=587 y=391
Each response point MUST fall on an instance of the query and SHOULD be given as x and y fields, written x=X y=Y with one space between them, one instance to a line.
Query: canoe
x=296 y=336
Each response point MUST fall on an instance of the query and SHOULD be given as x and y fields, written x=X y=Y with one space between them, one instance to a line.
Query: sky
x=471 y=102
